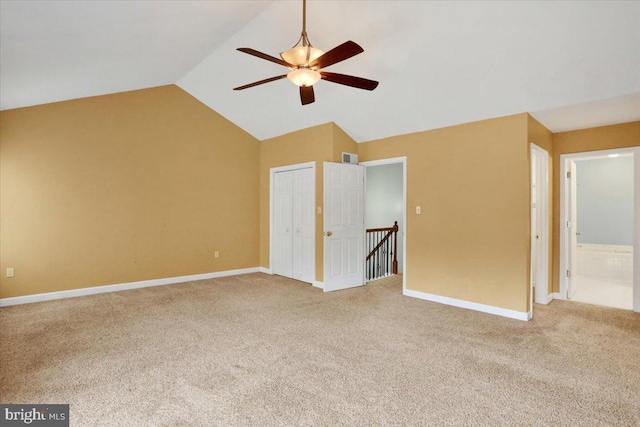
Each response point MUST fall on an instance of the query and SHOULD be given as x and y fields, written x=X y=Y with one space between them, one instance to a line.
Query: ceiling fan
x=305 y=61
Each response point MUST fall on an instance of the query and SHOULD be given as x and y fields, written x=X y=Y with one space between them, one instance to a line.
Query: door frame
x=272 y=172
x=542 y=214
x=390 y=161
x=565 y=159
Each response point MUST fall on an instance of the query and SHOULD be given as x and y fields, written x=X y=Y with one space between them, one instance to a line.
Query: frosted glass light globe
x=304 y=77
x=298 y=55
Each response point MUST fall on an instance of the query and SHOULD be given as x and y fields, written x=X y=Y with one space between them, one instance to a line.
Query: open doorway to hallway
x=600 y=233
x=385 y=217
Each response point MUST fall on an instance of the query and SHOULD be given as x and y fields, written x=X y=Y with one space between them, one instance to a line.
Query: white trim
x=542 y=263
x=72 y=293
x=557 y=295
x=317 y=284
x=265 y=270
x=636 y=231
x=504 y=312
x=296 y=166
x=390 y=161
x=382 y=162
x=564 y=193
x=272 y=171
x=364 y=225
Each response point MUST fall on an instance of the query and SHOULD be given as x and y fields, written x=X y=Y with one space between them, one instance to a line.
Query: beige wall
x=543 y=138
x=593 y=139
x=472 y=240
x=125 y=187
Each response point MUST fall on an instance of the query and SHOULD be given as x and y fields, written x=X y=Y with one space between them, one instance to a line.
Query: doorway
x=599 y=215
x=385 y=203
x=292 y=240
x=539 y=279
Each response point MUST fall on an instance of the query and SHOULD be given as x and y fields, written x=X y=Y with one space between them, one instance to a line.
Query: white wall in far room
x=384 y=202
x=605 y=201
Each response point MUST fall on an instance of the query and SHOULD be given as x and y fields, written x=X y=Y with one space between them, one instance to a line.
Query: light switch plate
x=418 y=210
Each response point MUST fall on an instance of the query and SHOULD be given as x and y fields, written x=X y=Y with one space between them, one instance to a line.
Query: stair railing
x=382 y=244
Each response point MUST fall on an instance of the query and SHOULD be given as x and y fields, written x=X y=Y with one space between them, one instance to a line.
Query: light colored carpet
x=263 y=350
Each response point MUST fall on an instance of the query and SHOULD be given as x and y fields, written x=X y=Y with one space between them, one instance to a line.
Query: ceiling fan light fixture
x=304 y=77
x=304 y=62
x=301 y=55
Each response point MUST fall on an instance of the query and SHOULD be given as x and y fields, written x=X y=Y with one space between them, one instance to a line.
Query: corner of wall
x=310 y=144
x=577 y=141
x=539 y=134
x=342 y=142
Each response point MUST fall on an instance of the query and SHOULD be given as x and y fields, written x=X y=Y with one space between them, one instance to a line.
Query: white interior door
x=303 y=224
x=539 y=224
x=573 y=231
x=343 y=226
x=283 y=223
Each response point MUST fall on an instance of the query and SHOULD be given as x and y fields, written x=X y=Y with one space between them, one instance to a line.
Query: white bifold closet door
x=293 y=222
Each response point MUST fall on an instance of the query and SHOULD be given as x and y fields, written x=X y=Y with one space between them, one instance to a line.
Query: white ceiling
x=621 y=109
x=57 y=50
x=574 y=64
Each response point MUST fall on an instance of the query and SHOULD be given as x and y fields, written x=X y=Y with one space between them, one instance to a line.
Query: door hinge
x=568 y=273
x=569 y=175
x=568 y=224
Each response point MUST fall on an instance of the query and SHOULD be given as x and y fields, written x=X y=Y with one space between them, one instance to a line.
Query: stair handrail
x=390 y=230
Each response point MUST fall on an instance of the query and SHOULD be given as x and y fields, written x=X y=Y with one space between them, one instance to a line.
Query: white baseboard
x=317 y=284
x=265 y=270
x=546 y=301
x=557 y=295
x=549 y=298
x=4 y=302
x=512 y=314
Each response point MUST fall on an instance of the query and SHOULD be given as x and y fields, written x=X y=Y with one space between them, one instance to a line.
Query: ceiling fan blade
x=345 y=51
x=264 y=56
x=343 y=79
x=306 y=95
x=271 y=79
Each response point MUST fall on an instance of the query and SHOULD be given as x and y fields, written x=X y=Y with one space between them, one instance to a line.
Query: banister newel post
x=395 y=248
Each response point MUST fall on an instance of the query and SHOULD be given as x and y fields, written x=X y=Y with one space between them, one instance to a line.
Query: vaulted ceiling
x=571 y=64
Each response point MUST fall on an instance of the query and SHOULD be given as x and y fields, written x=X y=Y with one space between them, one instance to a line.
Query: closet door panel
x=283 y=224
x=303 y=226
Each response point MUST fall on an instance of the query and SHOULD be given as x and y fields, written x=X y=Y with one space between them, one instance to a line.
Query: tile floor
x=616 y=293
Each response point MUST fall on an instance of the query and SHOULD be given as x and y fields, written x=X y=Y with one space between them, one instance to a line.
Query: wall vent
x=350 y=158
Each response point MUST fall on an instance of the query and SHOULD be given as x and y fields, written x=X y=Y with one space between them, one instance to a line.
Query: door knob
x=329 y=233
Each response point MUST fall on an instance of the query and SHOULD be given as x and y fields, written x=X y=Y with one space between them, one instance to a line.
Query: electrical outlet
x=10 y=272
x=216 y=254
